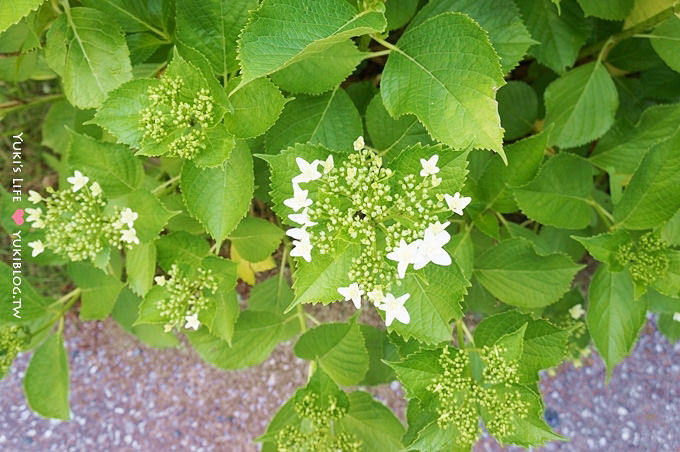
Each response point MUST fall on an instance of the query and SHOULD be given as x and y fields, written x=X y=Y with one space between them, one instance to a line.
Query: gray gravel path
x=126 y=396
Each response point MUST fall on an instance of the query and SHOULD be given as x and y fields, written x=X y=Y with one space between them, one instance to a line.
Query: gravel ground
x=126 y=396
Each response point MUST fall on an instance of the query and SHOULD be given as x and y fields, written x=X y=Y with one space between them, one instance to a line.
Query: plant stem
x=71 y=297
x=312 y=318
x=606 y=217
x=467 y=332
x=167 y=183
x=15 y=106
x=376 y=54
x=459 y=333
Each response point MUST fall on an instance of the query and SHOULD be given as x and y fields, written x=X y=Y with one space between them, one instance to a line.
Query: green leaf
x=399 y=12
x=645 y=9
x=417 y=372
x=281 y=32
x=607 y=9
x=652 y=196
x=140 y=267
x=391 y=135
x=507 y=32
x=11 y=14
x=614 y=317
x=125 y=312
x=428 y=63
x=669 y=283
x=518 y=108
x=560 y=194
x=515 y=274
x=273 y=294
x=379 y=349
x=61 y=117
x=47 y=379
x=330 y=119
x=99 y=290
x=111 y=165
x=88 y=50
x=256 y=107
x=256 y=239
x=604 y=247
x=19 y=308
x=132 y=15
x=181 y=247
x=219 y=197
x=373 y=423
x=338 y=348
x=227 y=311
x=561 y=33
x=582 y=104
x=212 y=27
x=669 y=327
x=452 y=165
x=666 y=41
x=152 y=215
x=148 y=308
x=625 y=145
x=320 y=72
x=142 y=46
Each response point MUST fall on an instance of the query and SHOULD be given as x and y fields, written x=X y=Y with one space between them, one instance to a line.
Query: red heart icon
x=18 y=217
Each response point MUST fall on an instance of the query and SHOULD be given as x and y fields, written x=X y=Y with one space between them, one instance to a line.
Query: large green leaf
x=645 y=9
x=452 y=166
x=501 y=20
x=11 y=14
x=47 y=379
x=666 y=41
x=99 y=290
x=220 y=197
x=338 y=348
x=607 y=9
x=17 y=308
x=281 y=32
x=428 y=63
x=652 y=196
x=560 y=194
x=60 y=119
x=380 y=349
x=515 y=274
x=88 y=50
x=604 y=247
x=181 y=247
x=256 y=239
x=212 y=27
x=581 y=104
x=140 y=267
x=561 y=32
x=614 y=317
x=132 y=15
x=518 y=108
x=152 y=215
x=256 y=107
x=330 y=119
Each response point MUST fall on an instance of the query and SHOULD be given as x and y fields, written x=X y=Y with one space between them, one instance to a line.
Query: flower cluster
x=460 y=394
x=392 y=221
x=177 y=117
x=321 y=438
x=77 y=226
x=10 y=346
x=646 y=259
x=186 y=297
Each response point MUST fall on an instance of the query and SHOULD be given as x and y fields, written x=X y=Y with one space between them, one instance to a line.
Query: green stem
x=467 y=332
x=71 y=297
x=16 y=106
x=606 y=217
x=312 y=318
x=168 y=183
x=376 y=54
x=384 y=43
x=459 y=333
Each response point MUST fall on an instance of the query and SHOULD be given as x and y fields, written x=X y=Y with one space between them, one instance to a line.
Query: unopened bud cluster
x=187 y=296
x=10 y=346
x=647 y=259
x=173 y=113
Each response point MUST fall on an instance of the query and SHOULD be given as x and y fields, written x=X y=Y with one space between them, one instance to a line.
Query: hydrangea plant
x=444 y=168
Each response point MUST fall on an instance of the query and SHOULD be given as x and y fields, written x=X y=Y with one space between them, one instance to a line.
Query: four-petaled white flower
x=34 y=197
x=394 y=309
x=302 y=218
x=37 y=246
x=352 y=293
x=308 y=171
x=359 y=143
x=192 y=322
x=160 y=280
x=129 y=236
x=77 y=180
x=299 y=199
x=128 y=217
x=431 y=250
x=376 y=296
x=429 y=166
x=96 y=189
x=457 y=203
x=34 y=217
x=303 y=249
x=328 y=165
x=404 y=254
x=439 y=230
x=676 y=316
x=576 y=311
x=298 y=234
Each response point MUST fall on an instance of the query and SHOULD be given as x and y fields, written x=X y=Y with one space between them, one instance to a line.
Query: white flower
x=328 y=165
x=298 y=234
x=359 y=143
x=457 y=203
x=576 y=311
x=37 y=246
x=128 y=217
x=77 y=180
x=96 y=189
x=33 y=214
x=299 y=199
x=394 y=309
x=302 y=218
x=439 y=230
x=118 y=225
x=303 y=249
x=376 y=296
x=352 y=293
x=308 y=171
x=431 y=250
x=404 y=254
x=429 y=166
x=160 y=280
x=129 y=236
x=34 y=197
x=192 y=322
x=351 y=173
x=676 y=316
